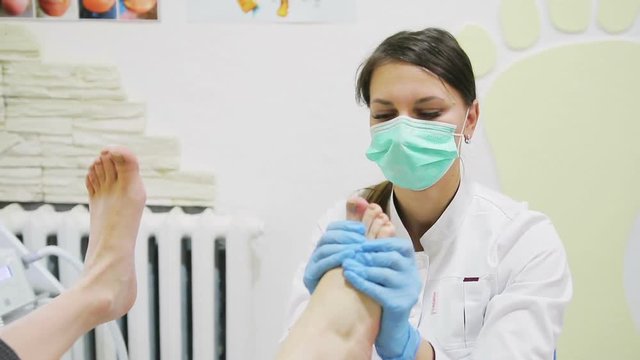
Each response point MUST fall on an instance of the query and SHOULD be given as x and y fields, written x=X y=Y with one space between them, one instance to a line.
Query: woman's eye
x=384 y=116
x=429 y=115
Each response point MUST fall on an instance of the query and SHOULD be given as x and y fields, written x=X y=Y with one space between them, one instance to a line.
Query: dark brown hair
x=433 y=49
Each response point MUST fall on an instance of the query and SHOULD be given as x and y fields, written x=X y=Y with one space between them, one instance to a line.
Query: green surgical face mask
x=413 y=154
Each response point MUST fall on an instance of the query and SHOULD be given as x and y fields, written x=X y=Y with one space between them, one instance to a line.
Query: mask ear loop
x=466 y=141
x=464 y=125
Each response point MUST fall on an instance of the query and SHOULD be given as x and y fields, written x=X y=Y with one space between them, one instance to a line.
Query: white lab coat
x=496 y=279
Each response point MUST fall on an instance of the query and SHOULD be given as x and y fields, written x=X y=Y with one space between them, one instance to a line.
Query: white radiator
x=183 y=261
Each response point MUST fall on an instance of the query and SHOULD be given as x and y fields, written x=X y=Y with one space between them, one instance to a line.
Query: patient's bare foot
x=355 y=307
x=377 y=223
x=347 y=320
x=116 y=200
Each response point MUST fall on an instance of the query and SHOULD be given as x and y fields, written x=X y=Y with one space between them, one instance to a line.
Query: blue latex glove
x=385 y=270
x=339 y=242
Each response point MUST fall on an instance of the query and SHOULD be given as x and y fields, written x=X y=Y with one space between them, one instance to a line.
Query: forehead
x=401 y=80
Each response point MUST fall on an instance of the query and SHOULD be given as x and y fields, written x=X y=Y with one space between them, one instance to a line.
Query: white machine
x=15 y=290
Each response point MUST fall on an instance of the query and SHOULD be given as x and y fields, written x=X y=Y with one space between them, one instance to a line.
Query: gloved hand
x=339 y=242
x=385 y=270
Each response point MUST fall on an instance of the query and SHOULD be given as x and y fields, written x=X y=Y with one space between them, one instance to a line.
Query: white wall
x=269 y=108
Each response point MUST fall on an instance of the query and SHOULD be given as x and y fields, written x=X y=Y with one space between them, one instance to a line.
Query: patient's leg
x=340 y=322
x=107 y=288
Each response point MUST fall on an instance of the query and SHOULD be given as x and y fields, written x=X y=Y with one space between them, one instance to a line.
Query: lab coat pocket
x=447 y=313
x=458 y=306
x=477 y=292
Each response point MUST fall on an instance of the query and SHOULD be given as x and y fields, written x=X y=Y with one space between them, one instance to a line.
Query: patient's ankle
x=347 y=313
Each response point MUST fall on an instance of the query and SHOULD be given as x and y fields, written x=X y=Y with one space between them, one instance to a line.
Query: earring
x=467 y=139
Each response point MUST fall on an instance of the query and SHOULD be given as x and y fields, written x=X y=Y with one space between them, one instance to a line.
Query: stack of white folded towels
x=55 y=119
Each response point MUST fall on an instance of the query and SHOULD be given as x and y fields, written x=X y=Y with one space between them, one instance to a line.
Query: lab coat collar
x=446 y=227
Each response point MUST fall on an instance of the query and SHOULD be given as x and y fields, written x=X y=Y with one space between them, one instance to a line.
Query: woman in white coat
x=470 y=273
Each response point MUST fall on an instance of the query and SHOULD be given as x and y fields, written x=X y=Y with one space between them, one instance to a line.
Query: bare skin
x=107 y=288
x=345 y=319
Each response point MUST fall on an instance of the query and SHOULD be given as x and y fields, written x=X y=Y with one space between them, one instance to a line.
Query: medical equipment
x=15 y=290
x=191 y=303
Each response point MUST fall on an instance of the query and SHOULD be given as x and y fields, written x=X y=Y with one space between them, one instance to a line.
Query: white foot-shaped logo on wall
x=559 y=85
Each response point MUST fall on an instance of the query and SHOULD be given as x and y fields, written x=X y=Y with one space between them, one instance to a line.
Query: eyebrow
x=427 y=99
x=383 y=102
x=419 y=101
